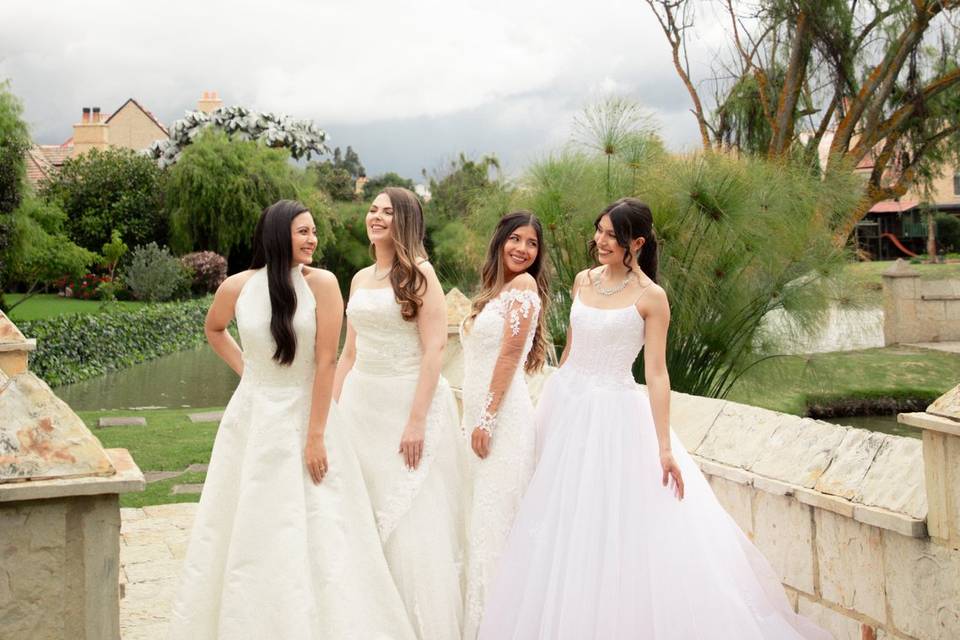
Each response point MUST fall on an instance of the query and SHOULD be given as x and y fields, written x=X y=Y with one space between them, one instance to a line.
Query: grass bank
x=50 y=305
x=862 y=282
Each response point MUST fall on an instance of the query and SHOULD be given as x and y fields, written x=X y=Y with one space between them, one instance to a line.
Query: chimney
x=90 y=133
x=209 y=102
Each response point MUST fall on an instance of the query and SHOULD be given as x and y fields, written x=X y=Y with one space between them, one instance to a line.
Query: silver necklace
x=612 y=290
x=379 y=277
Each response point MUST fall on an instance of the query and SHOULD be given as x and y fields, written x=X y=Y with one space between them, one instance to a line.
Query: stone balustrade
x=917 y=310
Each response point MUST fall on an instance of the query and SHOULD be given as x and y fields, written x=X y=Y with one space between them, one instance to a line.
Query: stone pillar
x=941 y=461
x=900 y=296
x=13 y=348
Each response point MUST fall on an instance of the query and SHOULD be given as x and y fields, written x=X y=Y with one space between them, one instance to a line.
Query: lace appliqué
x=487 y=420
x=519 y=302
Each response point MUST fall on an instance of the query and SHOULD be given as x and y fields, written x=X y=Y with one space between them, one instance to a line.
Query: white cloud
x=512 y=67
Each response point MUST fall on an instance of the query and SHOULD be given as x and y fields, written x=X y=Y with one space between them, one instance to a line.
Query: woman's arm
x=521 y=308
x=220 y=315
x=432 y=325
x=573 y=296
x=326 y=292
x=349 y=354
x=656 y=314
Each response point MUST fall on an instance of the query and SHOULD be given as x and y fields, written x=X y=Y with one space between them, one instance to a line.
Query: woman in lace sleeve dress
x=504 y=336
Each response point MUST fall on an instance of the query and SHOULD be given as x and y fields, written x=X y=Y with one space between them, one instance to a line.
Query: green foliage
x=219 y=187
x=39 y=251
x=739 y=239
x=110 y=189
x=76 y=347
x=948 y=232
x=114 y=250
x=153 y=275
x=350 y=250
x=377 y=184
x=336 y=182
x=453 y=190
x=209 y=270
x=14 y=142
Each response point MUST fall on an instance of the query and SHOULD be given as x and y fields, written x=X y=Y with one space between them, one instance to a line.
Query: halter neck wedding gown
x=271 y=554
x=600 y=549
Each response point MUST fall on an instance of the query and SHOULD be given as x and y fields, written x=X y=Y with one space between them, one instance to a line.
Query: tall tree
x=14 y=142
x=876 y=83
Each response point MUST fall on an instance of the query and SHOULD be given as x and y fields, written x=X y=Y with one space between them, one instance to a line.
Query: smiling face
x=380 y=219
x=609 y=250
x=304 y=235
x=520 y=250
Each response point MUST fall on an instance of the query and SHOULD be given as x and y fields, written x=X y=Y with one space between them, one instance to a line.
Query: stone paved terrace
x=153 y=541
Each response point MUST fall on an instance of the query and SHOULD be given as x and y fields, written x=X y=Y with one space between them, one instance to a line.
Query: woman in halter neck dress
x=284 y=543
x=402 y=415
x=619 y=535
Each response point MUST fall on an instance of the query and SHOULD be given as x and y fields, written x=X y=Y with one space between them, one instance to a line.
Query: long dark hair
x=493 y=277
x=632 y=219
x=407 y=231
x=273 y=249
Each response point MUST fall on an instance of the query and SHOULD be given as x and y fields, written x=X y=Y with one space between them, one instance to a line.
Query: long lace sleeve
x=521 y=307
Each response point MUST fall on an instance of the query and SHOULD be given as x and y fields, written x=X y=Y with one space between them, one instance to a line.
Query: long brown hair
x=407 y=232
x=493 y=277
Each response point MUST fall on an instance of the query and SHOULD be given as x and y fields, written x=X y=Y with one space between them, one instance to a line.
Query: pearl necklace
x=612 y=290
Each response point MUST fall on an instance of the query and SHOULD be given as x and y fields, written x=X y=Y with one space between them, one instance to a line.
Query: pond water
x=883 y=424
x=192 y=378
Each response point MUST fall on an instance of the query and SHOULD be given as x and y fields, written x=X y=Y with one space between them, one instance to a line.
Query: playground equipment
x=899 y=245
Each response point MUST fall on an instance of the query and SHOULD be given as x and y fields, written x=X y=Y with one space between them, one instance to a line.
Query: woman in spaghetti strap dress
x=503 y=338
x=619 y=535
x=284 y=543
x=402 y=415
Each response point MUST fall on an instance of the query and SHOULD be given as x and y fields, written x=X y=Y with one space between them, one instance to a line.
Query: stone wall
x=917 y=310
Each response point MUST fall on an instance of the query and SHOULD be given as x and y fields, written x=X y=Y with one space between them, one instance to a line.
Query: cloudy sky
x=408 y=85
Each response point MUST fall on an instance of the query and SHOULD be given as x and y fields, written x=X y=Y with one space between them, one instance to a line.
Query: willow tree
x=868 y=80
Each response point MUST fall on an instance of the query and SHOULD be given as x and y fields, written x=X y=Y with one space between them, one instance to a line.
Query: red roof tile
x=894 y=206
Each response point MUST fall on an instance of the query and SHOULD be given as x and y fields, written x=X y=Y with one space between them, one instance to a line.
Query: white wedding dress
x=600 y=549
x=272 y=555
x=499 y=337
x=418 y=512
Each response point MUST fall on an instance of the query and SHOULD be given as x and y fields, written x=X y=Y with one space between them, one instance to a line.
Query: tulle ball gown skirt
x=601 y=550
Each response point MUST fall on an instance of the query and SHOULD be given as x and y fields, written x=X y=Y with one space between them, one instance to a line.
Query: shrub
x=111 y=189
x=84 y=287
x=154 y=275
x=75 y=347
x=208 y=268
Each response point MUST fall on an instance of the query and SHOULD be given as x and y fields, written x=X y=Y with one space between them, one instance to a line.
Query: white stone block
x=895 y=479
x=923 y=587
x=850 y=557
x=736 y=500
x=851 y=461
x=740 y=434
x=692 y=416
x=839 y=625
x=783 y=531
x=799 y=451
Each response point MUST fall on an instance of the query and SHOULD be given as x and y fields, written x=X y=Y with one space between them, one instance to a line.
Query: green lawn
x=169 y=442
x=862 y=282
x=159 y=492
x=789 y=384
x=46 y=305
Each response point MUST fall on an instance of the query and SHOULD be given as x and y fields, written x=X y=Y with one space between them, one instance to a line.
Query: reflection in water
x=883 y=424
x=193 y=378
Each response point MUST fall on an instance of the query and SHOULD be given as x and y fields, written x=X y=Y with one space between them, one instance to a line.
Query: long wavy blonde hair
x=407 y=232
x=493 y=277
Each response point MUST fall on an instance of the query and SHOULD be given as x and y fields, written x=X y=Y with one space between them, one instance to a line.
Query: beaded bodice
x=386 y=343
x=606 y=342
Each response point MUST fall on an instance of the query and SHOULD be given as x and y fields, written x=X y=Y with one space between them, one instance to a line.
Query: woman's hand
x=315 y=458
x=411 y=444
x=671 y=473
x=480 y=441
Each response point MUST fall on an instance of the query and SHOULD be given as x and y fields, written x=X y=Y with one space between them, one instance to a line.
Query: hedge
x=76 y=347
